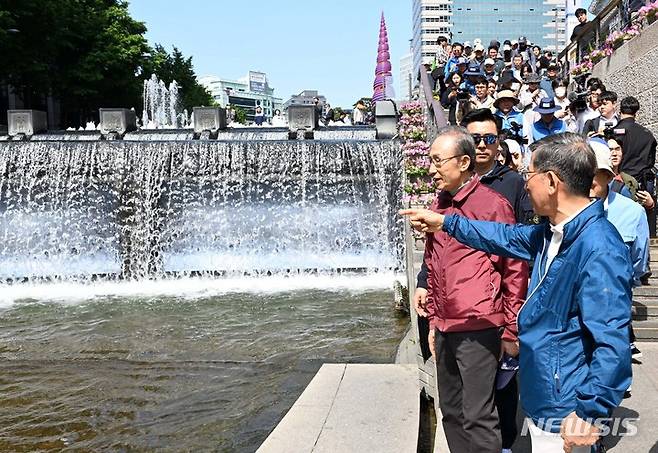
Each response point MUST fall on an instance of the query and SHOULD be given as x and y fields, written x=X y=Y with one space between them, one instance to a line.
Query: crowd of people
x=538 y=234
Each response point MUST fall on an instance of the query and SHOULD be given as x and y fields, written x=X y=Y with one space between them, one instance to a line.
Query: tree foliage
x=175 y=66
x=86 y=53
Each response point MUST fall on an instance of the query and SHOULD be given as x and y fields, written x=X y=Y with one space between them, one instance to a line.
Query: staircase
x=645 y=303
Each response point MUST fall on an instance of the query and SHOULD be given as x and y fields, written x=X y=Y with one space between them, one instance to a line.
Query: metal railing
x=615 y=16
x=435 y=118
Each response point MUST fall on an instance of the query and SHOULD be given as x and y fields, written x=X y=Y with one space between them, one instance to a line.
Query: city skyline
x=312 y=48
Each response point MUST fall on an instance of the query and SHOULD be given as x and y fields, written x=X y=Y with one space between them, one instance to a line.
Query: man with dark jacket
x=639 y=143
x=473 y=297
x=575 y=362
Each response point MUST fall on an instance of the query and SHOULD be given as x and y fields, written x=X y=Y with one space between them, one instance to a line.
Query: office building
x=537 y=20
x=305 y=97
x=431 y=19
x=406 y=77
x=248 y=92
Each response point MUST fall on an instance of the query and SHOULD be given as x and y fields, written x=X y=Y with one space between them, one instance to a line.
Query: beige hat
x=505 y=94
x=602 y=152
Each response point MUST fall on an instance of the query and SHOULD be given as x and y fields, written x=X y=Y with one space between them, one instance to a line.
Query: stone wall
x=633 y=71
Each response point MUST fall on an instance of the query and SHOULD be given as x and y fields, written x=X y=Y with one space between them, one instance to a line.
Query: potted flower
x=649 y=12
x=597 y=55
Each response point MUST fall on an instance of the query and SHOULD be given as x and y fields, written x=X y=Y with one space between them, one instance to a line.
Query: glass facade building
x=510 y=19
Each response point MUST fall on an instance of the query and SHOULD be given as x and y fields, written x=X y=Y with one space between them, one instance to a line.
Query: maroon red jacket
x=467 y=289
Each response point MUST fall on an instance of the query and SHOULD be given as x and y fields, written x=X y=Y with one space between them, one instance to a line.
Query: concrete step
x=646 y=330
x=352 y=408
x=645 y=291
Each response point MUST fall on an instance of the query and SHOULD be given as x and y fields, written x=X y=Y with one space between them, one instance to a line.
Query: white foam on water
x=71 y=293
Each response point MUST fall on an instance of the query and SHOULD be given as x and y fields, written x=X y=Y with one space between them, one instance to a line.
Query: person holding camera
x=608 y=118
x=450 y=98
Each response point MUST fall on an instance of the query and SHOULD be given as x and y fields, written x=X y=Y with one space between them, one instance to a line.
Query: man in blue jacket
x=575 y=361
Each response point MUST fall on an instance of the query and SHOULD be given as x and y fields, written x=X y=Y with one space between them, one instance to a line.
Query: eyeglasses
x=439 y=163
x=526 y=174
x=489 y=139
x=527 y=177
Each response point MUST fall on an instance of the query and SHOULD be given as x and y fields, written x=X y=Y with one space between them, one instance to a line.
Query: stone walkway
x=642 y=404
x=352 y=408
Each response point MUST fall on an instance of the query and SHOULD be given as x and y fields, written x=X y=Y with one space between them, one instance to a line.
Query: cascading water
x=73 y=210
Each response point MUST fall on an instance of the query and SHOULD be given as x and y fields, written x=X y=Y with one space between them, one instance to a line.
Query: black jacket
x=510 y=185
x=639 y=149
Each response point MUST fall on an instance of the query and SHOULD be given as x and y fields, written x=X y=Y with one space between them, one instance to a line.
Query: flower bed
x=419 y=188
x=646 y=15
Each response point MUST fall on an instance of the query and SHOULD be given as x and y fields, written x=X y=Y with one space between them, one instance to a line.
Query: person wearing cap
x=489 y=69
x=504 y=105
x=495 y=55
x=552 y=72
x=451 y=65
x=627 y=216
x=531 y=94
x=523 y=49
x=575 y=360
x=468 y=49
x=478 y=54
x=473 y=72
x=471 y=299
x=548 y=124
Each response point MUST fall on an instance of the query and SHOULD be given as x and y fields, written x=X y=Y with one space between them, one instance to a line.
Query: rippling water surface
x=212 y=368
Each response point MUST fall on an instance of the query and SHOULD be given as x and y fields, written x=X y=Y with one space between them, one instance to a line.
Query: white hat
x=467 y=44
x=514 y=42
x=477 y=41
x=489 y=61
x=513 y=145
x=602 y=152
x=478 y=47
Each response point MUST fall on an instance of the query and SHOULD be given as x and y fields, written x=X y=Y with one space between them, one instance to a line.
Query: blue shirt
x=630 y=220
x=513 y=116
x=541 y=129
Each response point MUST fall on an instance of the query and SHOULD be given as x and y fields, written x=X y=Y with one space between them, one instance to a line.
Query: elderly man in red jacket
x=473 y=299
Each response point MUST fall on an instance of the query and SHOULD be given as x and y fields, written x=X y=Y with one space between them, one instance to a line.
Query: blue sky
x=326 y=45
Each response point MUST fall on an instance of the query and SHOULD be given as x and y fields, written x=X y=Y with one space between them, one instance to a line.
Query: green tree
x=84 y=52
x=168 y=67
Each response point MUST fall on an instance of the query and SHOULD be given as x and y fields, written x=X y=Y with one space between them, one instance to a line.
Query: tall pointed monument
x=383 y=78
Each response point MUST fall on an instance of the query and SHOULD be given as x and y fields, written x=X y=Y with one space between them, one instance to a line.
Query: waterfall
x=75 y=210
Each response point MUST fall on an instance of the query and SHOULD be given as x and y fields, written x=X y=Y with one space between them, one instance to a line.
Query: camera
x=578 y=101
x=463 y=94
x=514 y=133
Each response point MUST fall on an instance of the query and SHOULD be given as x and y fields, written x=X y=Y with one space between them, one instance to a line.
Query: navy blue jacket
x=573 y=327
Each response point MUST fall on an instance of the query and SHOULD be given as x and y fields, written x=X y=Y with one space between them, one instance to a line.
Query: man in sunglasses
x=483 y=126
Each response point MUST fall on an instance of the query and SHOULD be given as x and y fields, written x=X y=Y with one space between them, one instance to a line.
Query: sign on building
x=257 y=82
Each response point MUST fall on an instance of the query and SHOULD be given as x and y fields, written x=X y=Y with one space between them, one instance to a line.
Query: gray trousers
x=466 y=372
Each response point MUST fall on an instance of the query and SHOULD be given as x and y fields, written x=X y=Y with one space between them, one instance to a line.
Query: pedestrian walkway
x=352 y=408
x=641 y=405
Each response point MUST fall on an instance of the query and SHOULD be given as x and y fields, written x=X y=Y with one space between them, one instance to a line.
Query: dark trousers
x=466 y=373
x=507 y=402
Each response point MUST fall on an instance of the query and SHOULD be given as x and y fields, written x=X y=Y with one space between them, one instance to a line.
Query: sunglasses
x=489 y=139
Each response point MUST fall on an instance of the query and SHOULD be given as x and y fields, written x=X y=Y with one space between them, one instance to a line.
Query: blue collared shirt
x=630 y=220
x=541 y=129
